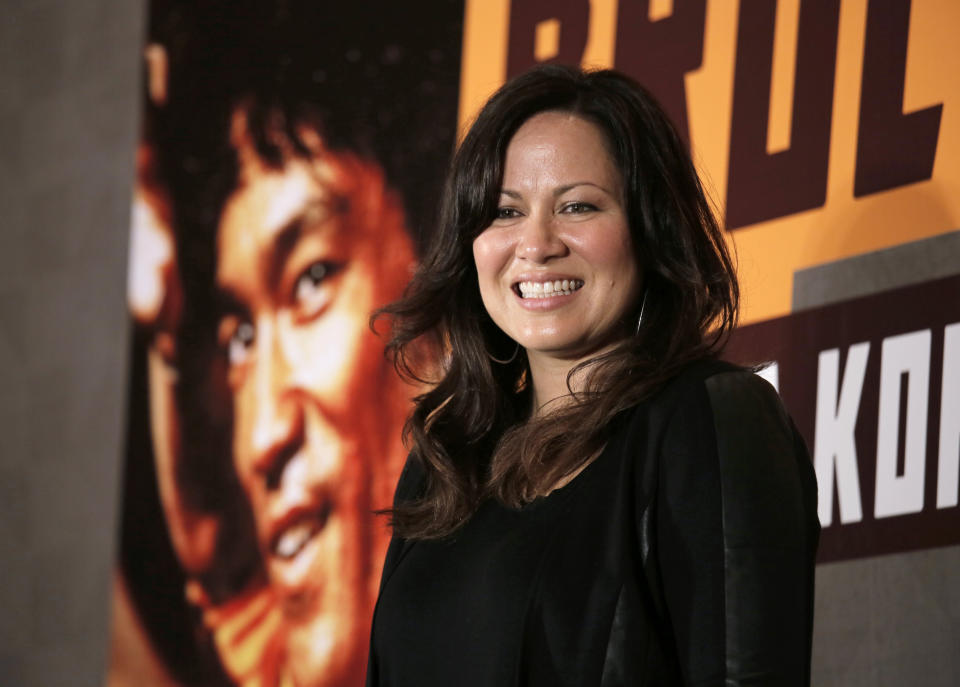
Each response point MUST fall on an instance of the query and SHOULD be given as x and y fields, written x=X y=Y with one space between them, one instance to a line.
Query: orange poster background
x=770 y=252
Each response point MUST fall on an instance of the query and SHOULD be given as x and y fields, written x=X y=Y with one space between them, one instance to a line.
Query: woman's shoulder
x=712 y=372
x=720 y=428
x=721 y=383
x=729 y=417
x=410 y=484
x=714 y=397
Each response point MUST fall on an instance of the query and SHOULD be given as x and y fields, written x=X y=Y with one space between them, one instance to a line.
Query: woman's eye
x=578 y=207
x=240 y=344
x=311 y=292
x=507 y=213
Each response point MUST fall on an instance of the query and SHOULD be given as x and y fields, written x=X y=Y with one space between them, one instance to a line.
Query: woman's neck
x=548 y=379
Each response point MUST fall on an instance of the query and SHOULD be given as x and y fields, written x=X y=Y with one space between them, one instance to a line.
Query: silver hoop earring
x=643 y=305
x=508 y=360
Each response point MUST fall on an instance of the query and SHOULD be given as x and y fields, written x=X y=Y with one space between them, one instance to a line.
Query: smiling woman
x=591 y=498
x=561 y=220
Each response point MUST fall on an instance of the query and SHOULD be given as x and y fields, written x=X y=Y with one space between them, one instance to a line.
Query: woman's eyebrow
x=560 y=190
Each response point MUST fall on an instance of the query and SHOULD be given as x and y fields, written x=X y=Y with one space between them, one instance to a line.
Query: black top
x=682 y=555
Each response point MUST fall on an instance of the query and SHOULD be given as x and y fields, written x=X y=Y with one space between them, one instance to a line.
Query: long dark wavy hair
x=472 y=431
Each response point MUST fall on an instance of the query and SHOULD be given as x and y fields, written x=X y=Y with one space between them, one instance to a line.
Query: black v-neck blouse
x=682 y=555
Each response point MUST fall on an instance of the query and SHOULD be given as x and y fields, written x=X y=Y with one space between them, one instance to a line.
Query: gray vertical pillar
x=69 y=80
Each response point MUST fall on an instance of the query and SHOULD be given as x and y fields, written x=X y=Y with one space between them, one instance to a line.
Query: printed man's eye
x=240 y=344
x=311 y=292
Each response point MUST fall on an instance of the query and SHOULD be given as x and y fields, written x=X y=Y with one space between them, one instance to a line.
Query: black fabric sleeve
x=736 y=534
x=409 y=486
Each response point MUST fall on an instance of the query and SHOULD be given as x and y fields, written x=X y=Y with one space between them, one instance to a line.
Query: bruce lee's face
x=306 y=251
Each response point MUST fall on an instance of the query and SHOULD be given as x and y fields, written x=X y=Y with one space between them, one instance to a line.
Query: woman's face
x=556 y=268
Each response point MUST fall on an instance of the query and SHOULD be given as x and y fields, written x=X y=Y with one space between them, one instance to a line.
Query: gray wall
x=886 y=620
x=69 y=80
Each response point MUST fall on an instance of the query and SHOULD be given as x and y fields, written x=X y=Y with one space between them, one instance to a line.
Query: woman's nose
x=539 y=240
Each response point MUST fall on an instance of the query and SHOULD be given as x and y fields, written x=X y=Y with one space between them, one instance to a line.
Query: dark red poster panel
x=874 y=387
x=288 y=171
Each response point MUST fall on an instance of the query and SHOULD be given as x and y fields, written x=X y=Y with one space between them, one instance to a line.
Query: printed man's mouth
x=297 y=529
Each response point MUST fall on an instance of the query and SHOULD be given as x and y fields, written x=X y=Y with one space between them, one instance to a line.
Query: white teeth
x=560 y=287
x=294 y=539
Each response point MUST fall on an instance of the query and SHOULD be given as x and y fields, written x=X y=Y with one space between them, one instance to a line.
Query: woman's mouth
x=547 y=289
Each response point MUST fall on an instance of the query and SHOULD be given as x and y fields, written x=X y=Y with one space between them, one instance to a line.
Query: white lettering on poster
x=771 y=373
x=948 y=465
x=835 y=449
x=904 y=355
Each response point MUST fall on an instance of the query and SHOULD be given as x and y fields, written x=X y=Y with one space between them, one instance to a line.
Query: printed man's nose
x=278 y=423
